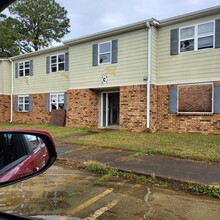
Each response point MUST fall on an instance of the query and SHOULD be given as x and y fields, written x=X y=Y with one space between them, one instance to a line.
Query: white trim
x=196 y=36
x=110 y=61
x=107 y=106
x=23 y=62
x=23 y=103
x=57 y=100
x=196 y=84
x=57 y=63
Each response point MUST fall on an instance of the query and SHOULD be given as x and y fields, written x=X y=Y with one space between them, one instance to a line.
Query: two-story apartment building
x=156 y=75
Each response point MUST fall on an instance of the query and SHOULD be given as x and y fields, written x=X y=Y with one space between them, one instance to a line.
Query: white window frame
x=57 y=63
x=23 y=104
x=110 y=52
x=57 y=100
x=24 y=68
x=195 y=84
x=197 y=37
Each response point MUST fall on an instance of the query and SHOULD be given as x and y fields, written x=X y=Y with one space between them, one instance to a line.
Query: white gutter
x=149 y=67
x=12 y=89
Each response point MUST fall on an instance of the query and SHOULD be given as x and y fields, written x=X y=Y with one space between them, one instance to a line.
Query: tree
x=40 y=22
x=8 y=37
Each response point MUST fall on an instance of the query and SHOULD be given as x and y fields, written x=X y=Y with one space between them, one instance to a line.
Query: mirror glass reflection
x=21 y=155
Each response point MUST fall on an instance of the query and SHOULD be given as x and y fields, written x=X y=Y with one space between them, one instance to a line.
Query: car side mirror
x=24 y=154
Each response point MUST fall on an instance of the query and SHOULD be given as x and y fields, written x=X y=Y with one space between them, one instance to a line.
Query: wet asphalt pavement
x=62 y=193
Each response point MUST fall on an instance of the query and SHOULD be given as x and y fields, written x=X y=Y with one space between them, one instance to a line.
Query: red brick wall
x=82 y=108
x=5 y=108
x=195 y=98
x=180 y=122
x=133 y=107
x=38 y=114
x=83 y=111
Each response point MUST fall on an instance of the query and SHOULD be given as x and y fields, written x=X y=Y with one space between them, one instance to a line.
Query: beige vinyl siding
x=154 y=55
x=187 y=67
x=41 y=82
x=5 y=77
x=130 y=69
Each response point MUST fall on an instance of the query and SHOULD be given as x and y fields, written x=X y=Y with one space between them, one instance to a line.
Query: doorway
x=110 y=109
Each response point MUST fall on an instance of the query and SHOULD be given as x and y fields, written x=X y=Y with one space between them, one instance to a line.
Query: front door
x=110 y=109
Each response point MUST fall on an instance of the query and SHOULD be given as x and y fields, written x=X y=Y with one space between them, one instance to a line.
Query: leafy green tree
x=40 y=22
x=8 y=37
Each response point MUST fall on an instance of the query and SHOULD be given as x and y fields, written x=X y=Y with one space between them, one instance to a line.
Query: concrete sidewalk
x=186 y=171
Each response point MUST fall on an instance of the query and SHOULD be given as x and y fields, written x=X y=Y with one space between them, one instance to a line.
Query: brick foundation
x=38 y=115
x=5 y=108
x=83 y=111
x=82 y=108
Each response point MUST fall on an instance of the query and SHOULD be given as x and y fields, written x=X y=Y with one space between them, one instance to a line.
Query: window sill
x=194 y=113
x=196 y=51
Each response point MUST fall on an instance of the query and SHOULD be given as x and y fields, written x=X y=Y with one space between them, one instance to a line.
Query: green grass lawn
x=55 y=131
x=182 y=145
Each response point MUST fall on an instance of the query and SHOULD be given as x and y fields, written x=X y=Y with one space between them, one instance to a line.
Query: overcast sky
x=91 y=16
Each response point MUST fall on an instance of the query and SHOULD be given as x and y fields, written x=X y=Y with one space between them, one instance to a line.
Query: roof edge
x=109 y=32
x=190 y=15
x=43 y=51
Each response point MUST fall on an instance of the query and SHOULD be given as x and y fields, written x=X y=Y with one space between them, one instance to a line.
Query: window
x=195 y=98
x=187 y=38
x=205 y=35
x=57 y=101
x=197 y=37
x=24 y=68
x=33 y=141
x=23 y=103
x=104 y=52
x=57 y=63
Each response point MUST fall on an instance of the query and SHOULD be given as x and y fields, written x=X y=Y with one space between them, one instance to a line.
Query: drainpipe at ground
x=12 y=89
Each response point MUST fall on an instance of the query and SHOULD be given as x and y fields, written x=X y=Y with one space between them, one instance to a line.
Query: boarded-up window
x=195 y=98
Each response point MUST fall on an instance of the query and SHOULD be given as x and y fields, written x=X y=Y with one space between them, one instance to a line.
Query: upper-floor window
x=104 y=52
x=57 y=101
x=197 y=37
x=24 y=68
x=57 y=62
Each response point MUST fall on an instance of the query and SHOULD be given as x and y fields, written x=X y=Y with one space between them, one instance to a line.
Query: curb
x=79 y=164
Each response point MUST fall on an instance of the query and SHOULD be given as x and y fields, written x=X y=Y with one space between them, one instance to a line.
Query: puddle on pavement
x=63 y=192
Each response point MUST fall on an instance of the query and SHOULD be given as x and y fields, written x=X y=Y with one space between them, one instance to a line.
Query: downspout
x=12 y=89
x=149 y=67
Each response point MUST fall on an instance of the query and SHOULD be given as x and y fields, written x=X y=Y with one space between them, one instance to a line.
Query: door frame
x=107 y=106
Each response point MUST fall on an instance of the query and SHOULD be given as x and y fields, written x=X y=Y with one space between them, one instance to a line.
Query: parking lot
x=62 y=193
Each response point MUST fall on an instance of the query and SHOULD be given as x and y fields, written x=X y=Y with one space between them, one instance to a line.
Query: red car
x=24 y=154
x=21 y=154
